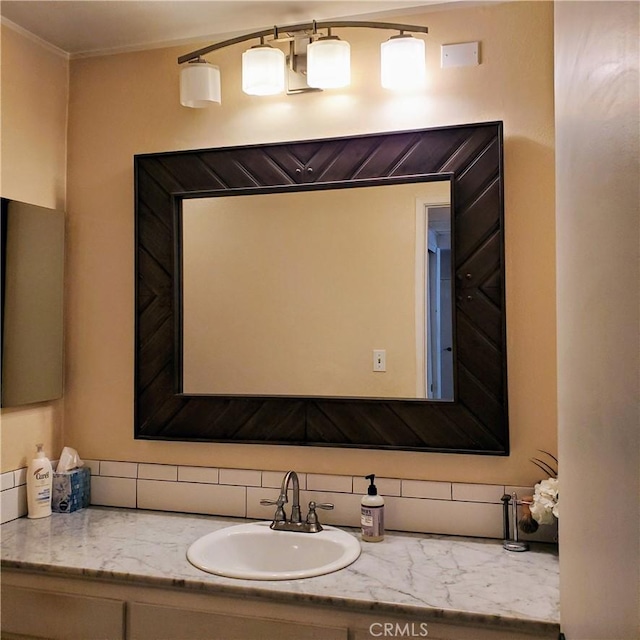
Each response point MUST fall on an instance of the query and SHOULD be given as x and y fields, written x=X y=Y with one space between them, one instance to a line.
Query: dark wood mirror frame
x=475 y=422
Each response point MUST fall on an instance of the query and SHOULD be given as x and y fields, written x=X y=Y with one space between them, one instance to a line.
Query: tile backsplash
x=13 y=496
x=410 y=505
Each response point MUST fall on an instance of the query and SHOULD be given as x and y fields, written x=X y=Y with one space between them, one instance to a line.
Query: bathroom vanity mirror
x=31 y=279
x=331 y=292
x=216 y=212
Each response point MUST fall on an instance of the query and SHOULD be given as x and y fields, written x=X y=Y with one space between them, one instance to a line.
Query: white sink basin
x=255 y=552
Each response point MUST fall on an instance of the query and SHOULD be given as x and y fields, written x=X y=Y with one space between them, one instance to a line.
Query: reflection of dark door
x=433 y=321
x=446 y=327
x=439 y=306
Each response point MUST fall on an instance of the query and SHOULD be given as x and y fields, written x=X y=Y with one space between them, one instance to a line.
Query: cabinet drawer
x=59 y=616
x=150 y=622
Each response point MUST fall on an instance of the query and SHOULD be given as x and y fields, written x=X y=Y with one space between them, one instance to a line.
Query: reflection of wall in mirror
x=290 y=293
x=32 y=303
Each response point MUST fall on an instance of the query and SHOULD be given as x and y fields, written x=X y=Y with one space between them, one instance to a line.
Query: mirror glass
x=32 y=278
x=332 y=293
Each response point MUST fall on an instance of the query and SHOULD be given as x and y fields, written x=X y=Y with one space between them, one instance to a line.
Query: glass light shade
x=199 y=85
x=402 y=63
x=329 y=63
x=263 y=71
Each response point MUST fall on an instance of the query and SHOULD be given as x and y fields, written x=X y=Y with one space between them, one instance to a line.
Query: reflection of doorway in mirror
x=439 y=325
x=435 y=310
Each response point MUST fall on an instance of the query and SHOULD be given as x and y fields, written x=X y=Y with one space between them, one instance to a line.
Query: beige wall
x=290 y=293
x=126 y=104
x=34 y=85
x=598 y=169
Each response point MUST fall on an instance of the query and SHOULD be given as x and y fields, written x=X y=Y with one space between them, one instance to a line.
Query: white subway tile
x=9 y=505
x=94 y=465
x=258 y=511
x=22 y=500
x=119 y=469
x=158 y=472
x=346 y=511
x=386 y=486
x=241 y=477
x=190 y=497
x=13 y=503
x=207 y=475
x=274 y=479
x=444 y=516
x=426 y=489
x=520 y=491
x=20 y=476
x=7 y=481
x=425 y=506
x=478 y=492
x=113 y=492
x=323 y=482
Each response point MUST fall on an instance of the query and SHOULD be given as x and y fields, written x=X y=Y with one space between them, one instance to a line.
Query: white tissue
x=69 y=460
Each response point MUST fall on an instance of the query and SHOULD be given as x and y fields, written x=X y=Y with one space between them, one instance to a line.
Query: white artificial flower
x=549 y=487
x=545 y=501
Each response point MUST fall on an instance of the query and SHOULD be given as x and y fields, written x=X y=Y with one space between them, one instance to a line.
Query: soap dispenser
x=372 y=513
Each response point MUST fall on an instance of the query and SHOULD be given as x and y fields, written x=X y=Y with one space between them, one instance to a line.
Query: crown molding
x=34 y=38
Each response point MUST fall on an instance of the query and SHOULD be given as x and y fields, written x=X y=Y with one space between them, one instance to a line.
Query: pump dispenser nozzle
x=372 y=489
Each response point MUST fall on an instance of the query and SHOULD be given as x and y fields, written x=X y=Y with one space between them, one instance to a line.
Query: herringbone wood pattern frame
x=476 y=422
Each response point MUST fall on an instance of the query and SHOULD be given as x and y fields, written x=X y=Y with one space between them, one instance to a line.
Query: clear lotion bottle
x=39 y=482
x=372 y=513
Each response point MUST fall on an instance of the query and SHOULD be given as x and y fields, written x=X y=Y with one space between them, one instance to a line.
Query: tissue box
x=71 y=490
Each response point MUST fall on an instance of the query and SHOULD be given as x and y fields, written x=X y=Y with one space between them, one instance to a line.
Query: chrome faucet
x=295 y=523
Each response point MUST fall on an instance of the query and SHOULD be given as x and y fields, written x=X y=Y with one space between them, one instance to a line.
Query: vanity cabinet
x=39 y=605
x=53 y=609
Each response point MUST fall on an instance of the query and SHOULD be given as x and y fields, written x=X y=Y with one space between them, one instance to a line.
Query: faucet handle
x=323 y=505
x=279 y=515
x=313 y=525
x=282 y=499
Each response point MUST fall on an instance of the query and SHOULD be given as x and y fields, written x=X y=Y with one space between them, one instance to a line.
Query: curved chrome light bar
x=312 y=27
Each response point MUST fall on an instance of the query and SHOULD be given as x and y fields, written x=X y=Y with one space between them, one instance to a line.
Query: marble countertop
x=456 y=579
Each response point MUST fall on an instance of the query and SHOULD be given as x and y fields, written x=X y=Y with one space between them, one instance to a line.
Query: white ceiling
x=91 y=27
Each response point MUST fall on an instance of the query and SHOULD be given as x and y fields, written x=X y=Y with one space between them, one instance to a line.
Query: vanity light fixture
x=316 y=60
x=199 y=84
x=263 y=70
x=329 y=63
x=402 y=62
